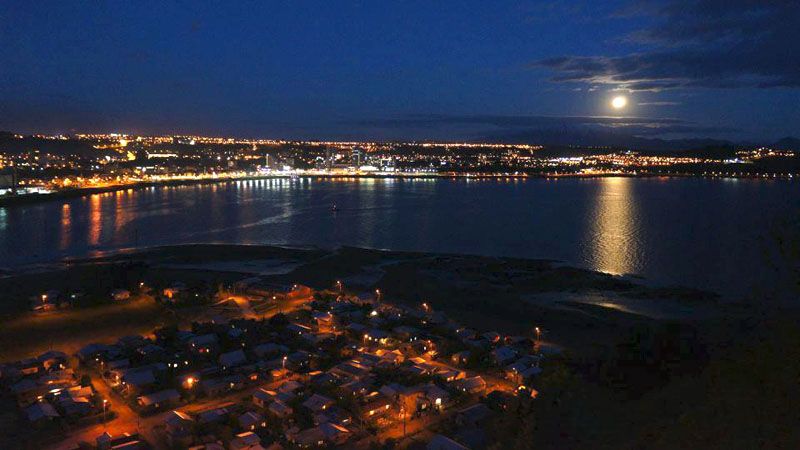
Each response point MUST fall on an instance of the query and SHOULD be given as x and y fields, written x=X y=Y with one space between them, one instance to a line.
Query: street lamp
x=105 y=402
x=339 y=285
x=284 y=362
x=378 y=294
x=538 y=333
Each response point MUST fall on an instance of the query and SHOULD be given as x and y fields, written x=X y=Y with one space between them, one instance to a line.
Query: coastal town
x=39 y=166
x=278 y=366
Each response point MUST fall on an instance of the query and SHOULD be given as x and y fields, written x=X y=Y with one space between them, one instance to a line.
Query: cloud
x=704 y=43
x=539 y=129
x=502 y=121
x=658 y=103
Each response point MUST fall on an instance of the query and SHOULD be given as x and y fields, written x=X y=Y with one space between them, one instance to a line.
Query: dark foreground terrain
x=642 y=366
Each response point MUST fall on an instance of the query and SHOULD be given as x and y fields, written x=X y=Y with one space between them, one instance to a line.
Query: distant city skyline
x=414 y=70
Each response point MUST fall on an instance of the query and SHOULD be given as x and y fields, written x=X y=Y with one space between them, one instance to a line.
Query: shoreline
x=27 y=199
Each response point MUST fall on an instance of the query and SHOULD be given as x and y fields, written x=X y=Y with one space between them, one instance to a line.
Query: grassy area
x=68 y=330
x=744 y=397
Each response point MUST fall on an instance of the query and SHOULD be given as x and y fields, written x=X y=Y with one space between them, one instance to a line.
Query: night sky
x=402 y=69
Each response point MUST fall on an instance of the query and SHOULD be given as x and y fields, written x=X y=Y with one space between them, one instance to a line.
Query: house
x=367 y=359
x=473 y=385
x=29 y=366
x=335 y=434
x=245 y=441
x=357 y=387
x=323 y=319
x=27 y=391
x=88 y=353
x=474 y=416
x=413 y=398
x=317 y=338
x=393 y=357
x=263 y=397
x=298 y=329
x=523 y=341
x=120 y=294
x=406 y=333
x=479 y=343
x=440 y=442
x=179 y=428
x=232 y=359
x=214 y=415
x=521 y=373
x=151 y=352
x=450 y=375
x=311 y=437
x=251 y=421
x=280 y=409
x=492 y=336
x=126 y=441
x=298 y=360
x=290 y=386
x=357 y=330
x=438 y=397
x=465 y=333
x=334 y=415
x=74 y=406
x=317 y=403
x=324 y=379
x=376 y=335
x=504 y=355
x=173 y=291
x=118 y=364
x=377 y=407
x=270 y=349
x=205 y=343
x=500 y=400
x=136 y=380
x=41 y=412
x=460 y=358
x=325 y=434
x=53 y=359
x=159 y=400
x=218 y=386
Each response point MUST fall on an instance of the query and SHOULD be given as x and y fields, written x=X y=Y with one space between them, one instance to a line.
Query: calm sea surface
x=712 y=234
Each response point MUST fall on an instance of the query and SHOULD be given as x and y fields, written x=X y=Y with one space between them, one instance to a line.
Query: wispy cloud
x=658 y=103
x=701 y=43
x=530 y=128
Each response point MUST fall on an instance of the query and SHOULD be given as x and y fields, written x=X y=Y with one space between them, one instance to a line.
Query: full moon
x=619 y=102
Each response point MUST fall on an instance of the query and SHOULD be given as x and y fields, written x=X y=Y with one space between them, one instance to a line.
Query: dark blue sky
x=394 y=69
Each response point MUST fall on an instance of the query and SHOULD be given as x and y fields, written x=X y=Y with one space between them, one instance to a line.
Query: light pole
x=105 y=402
x=403 y=414
x=378 y=295
x=284 y=362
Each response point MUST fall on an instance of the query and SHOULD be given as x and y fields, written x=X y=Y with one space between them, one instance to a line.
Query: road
x=128 y=421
